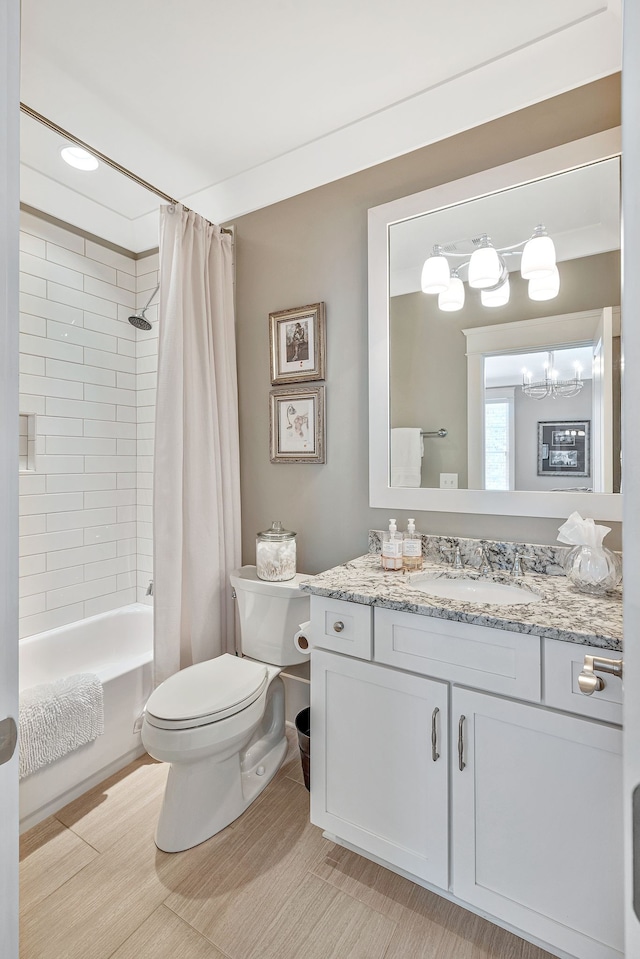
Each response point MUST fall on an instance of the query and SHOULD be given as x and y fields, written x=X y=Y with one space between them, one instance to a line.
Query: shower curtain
x=196 y=506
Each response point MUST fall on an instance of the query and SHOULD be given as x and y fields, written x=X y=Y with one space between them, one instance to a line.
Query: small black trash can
x=303 y=726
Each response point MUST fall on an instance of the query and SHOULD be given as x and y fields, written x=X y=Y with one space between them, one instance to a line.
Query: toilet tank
x=269 y=614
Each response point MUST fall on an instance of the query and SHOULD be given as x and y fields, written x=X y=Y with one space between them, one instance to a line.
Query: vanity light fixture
x=79 y=158
x=452 y=298
x=551 y=385
x=488 y=270
x=435 y=272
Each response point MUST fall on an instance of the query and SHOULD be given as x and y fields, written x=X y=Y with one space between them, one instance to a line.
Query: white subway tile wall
x=85 y=511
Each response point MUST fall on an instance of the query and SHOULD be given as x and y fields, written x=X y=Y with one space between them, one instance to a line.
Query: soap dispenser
x=412 y=547
x=392 y=547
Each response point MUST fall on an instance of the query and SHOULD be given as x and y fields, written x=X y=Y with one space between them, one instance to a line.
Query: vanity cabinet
x=536 y=822
x=444 y=741
x=380 y=762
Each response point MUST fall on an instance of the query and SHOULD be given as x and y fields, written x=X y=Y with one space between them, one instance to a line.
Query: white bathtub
x=118 y=647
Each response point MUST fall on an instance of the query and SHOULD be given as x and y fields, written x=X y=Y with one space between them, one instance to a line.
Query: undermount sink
x=474 y=590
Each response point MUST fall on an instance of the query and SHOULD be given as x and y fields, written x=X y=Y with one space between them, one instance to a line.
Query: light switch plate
x=448 y=480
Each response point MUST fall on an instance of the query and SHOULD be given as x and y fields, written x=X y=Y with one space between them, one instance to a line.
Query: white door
x=631 y=464
x=379 y=762
x=9 y=158
x=537 y=841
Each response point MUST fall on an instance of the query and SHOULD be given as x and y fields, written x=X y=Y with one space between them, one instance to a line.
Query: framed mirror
x=458 y=393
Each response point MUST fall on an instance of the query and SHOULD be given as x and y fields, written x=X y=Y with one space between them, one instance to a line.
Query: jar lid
x=277 y=534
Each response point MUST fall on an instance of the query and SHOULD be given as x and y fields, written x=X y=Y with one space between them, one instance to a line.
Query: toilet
x=221 y=723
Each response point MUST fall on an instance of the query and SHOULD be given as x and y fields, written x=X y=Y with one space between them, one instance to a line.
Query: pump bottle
x=391 y=557
x=412 y=547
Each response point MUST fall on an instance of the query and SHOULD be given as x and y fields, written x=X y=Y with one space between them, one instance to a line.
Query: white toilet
x=221 y=723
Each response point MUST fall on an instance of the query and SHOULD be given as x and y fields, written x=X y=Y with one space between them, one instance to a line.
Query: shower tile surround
x=89 y=378
x=563 y=614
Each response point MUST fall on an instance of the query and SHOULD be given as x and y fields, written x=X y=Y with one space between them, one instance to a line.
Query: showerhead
x=139 y=322
x=138 y=319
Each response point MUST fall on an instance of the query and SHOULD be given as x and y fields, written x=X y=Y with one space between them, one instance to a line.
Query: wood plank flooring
x=94 y=886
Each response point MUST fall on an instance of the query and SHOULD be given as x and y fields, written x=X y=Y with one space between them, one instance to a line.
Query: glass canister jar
x=593 y=569
x=276 y=553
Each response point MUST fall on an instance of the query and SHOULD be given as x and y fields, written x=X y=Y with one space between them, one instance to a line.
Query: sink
x=474 y=590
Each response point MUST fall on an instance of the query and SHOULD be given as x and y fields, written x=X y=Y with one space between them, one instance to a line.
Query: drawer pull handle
x=435 y=755
x=588 y=681
x=338 y=627
x=461 y=762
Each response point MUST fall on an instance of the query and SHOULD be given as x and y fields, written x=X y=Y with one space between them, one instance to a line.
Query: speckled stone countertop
x=563 y=613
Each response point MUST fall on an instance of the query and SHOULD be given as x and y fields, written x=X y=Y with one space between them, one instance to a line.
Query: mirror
x=527 y=392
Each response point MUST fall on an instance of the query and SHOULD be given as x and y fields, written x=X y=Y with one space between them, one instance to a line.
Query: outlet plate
x=448 y=480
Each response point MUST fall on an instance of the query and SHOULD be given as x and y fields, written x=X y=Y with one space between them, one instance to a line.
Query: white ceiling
x=233 y=106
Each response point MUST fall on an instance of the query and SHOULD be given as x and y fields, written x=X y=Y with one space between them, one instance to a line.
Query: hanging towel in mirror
x=407 y=448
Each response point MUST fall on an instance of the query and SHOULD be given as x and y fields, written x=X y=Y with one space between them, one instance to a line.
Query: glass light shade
x=538 y=257
x=79 y=158
x=545 y=287
x=435 y=274
x=496 y=297
x=452 y=299
x=485 y=268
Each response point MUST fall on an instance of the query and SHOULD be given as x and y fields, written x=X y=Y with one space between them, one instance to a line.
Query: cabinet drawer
x=342 y=627
x=563 y=663
x=491 y=659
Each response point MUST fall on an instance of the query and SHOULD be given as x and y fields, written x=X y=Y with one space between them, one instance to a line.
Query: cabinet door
x=537 y=834
x=378 y=780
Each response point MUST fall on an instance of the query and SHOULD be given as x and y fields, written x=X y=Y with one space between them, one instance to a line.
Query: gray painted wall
x=314 y=247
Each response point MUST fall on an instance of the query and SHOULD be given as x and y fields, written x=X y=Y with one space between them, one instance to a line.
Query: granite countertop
x=563 y=613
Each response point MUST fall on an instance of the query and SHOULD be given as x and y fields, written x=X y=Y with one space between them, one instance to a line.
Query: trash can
x=303 y=726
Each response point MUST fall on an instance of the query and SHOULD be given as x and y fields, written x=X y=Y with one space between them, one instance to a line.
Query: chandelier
x=487 y=270
x=551 y=385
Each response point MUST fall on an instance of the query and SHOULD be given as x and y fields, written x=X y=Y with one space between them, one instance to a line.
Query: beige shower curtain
x=196 y=508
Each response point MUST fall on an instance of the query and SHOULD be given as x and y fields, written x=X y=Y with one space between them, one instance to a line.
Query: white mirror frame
x=603 y=506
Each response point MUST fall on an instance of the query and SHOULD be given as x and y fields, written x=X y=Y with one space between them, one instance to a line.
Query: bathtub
x=118 y=647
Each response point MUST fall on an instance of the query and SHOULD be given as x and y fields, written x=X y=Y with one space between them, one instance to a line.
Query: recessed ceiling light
x=79 y=158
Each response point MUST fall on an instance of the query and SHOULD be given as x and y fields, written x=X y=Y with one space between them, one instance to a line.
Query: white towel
x=407 y=447
x=57 y=717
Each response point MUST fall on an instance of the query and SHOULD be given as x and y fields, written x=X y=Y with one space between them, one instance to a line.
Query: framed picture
x=297 y=344
x=297 y=425
x=564 y=448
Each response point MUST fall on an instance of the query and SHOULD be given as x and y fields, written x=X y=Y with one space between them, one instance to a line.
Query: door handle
x=461 y=762
x=435 y=755
x=588 y=681
x=8 y=739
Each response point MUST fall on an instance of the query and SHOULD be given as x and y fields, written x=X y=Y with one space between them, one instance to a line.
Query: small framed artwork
x=564 y=448
x=297 y=425
x=297 y=344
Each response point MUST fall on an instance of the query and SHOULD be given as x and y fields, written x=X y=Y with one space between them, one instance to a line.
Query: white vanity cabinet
x=380 y=762
x=536 y=822
x=439 y=754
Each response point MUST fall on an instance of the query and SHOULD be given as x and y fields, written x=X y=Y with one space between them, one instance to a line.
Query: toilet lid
x=208 y=691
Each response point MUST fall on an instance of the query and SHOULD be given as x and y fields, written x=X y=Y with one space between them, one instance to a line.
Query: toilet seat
x=206 y=693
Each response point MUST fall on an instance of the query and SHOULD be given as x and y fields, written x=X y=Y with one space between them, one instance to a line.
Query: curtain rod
x=101 y=156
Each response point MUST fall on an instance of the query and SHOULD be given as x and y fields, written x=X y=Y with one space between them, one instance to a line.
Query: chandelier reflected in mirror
x=487 y=270
x=551 y=385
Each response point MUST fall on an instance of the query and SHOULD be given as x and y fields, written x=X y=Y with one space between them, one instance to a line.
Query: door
x=379 y=762
x=9 y=117
x=631 y=466
x=537 y=841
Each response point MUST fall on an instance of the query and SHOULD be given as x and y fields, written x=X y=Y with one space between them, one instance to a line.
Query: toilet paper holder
x=302 y=640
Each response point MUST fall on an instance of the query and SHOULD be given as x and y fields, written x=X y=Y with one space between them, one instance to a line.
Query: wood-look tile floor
x=94 y=886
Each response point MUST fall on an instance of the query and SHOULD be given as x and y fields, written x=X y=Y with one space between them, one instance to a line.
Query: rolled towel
x=58 y=717
x=407 y=447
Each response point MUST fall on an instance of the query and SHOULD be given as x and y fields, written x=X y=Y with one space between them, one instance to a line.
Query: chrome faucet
x=457 y=561
x=517 y=570
x=149 y=588
x=485 y=566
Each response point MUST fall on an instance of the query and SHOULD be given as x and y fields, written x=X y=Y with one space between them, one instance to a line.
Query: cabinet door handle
x=461 y=762
x=338 y=627
x=435 y=755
